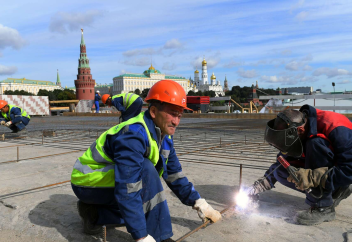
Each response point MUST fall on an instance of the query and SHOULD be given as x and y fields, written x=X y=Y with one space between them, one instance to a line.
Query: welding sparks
x=242 y=199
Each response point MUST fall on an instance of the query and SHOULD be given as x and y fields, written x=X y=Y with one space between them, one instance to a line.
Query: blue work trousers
x=96 y=106
x=158 y=220
x=17 y=126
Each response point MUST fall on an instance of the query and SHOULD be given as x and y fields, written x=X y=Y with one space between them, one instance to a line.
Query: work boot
x=168 y=240
x=340 y=194
x=314 y=216
x=89 y=216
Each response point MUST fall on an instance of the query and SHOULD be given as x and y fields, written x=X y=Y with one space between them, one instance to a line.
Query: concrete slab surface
x=50 y=214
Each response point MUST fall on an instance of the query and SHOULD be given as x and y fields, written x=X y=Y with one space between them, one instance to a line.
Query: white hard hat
x=98 y=91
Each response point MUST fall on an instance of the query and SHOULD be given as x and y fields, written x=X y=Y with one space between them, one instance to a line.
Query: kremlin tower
x=204 y=72
x=84 y=83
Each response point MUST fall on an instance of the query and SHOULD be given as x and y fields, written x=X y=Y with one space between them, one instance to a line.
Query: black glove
x=261 y=185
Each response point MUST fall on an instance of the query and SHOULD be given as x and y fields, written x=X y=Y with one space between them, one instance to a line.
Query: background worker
x=129 y=104
x=13 y=117
x=117 y=180
x=96 y=101
x=319 y=144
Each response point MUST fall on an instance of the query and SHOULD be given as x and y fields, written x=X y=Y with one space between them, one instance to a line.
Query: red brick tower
x=84 y=83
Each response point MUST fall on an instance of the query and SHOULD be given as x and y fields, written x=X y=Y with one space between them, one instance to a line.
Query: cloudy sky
x=279 y=43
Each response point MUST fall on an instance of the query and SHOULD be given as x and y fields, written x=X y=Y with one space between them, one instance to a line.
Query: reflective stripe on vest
x=23 y=113
x=165 y=154
x=128 y=98
x=96 y=169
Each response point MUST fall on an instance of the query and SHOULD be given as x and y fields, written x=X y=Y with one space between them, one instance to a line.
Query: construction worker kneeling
x=13 y=117
x=117 y=180
x=319 y=145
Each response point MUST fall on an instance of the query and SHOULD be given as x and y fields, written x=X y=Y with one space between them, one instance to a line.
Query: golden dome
x=151 y=67
x=204 y=63
x=196 y=71
x=213 y=77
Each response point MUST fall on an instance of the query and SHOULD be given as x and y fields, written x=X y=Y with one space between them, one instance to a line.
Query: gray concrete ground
x=210 y=152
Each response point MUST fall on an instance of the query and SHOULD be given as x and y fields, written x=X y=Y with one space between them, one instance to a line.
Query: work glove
x=205 y=211
x=147 y=239
x=2 y=123
x=8 y=124
x=259 y=186
x=308 y=178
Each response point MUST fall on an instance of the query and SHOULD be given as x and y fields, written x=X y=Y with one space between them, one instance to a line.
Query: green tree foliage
x=58 y=94
x=144 y=93
x=17 y=92
x=137 y=91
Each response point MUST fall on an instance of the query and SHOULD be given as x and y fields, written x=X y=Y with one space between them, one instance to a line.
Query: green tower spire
x=83 y=61
x=82 y=39
x=58 y=83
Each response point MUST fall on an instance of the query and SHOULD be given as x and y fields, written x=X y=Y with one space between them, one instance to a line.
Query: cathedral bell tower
x=84 y=83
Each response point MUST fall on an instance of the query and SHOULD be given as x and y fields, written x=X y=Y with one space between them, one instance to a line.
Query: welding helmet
x=168 y=91
x=285 y=140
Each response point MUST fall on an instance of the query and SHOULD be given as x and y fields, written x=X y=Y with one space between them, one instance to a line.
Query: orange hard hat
x=3 y=103
x=104 y=98
x=169 y=92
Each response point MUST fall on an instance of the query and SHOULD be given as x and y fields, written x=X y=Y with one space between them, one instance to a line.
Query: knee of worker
x=25 y=121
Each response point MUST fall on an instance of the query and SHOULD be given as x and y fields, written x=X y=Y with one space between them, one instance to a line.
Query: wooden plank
x=64 y=101
x=59 y=108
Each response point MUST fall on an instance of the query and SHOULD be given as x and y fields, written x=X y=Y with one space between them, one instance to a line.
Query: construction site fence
x=33 y=105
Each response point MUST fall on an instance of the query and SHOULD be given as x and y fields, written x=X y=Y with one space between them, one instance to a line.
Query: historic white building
x=32 y=86
x=204 y=84
x=129 y=82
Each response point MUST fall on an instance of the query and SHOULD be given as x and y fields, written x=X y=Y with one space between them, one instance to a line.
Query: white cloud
x=169 y=66
x=7 y=70
x=145 y=51
x=307 y=68
x=10 y=38
x=211 y=62
x=288 y=80
x=330 y=72
x=302 y=16
x=247 y=74
x=173 y=44
x=233 y=63
x=62 y=22
x=286 y=52
x=144 y=61
x=123 y=72
x=308 y=57
x=297 y=5
x=292 y=66
x=344 y=82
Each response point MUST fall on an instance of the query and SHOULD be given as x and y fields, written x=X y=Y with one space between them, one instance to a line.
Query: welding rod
x=202 y=226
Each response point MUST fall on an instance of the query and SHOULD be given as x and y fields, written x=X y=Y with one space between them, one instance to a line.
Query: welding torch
x=290 y=169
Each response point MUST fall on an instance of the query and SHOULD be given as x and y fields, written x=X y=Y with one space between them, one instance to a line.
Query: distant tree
x=137 y=91
x=191 y=93
x=18 y=92
x=47 y=93
x=199 y=93
x=209 y=93
x=145 y=93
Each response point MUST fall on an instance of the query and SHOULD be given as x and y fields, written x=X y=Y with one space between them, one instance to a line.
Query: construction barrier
x=84 y=106
x=34 y=105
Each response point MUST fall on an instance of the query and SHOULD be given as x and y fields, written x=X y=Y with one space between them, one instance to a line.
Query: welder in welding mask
x=319 y=144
